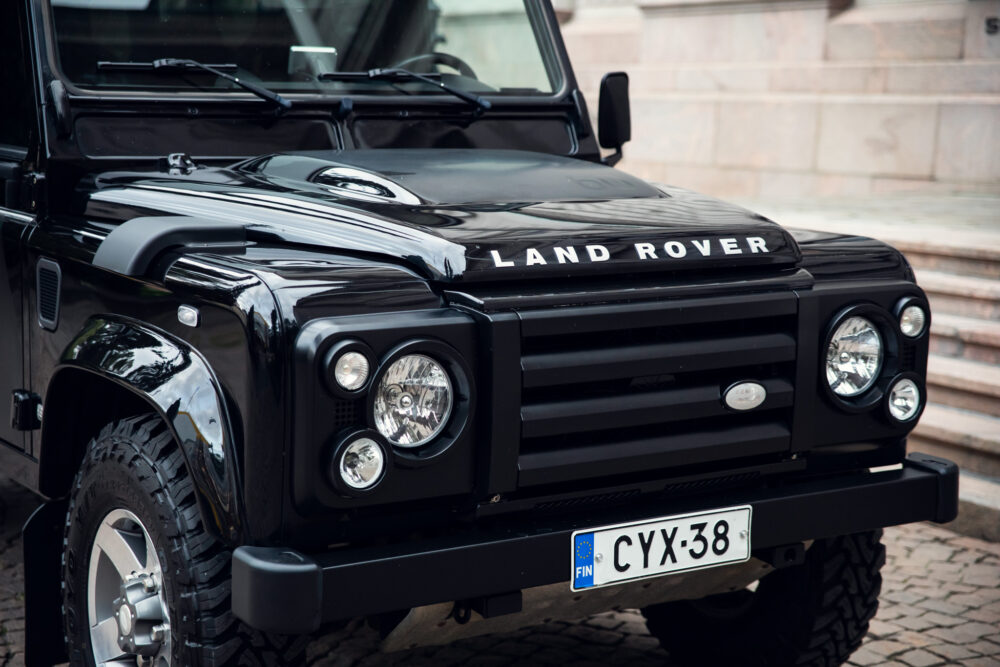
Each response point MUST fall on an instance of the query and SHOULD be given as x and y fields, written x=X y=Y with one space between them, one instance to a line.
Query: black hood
x=463 y=215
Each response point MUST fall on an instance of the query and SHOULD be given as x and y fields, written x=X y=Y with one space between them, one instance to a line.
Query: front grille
x=634 y=390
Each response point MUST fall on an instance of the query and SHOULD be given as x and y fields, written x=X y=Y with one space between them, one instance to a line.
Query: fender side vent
x=49 y=277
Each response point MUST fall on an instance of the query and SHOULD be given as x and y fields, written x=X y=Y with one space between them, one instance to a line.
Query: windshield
x=485 y=46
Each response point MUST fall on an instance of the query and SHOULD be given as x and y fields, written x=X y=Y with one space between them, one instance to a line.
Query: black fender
x=178 y=383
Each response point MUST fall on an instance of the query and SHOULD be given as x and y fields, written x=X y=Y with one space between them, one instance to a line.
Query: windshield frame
x=540 y=13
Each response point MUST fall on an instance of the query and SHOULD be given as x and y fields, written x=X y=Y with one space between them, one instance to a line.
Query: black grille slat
x=574 y=416
x=624 y=457
x=589 y=365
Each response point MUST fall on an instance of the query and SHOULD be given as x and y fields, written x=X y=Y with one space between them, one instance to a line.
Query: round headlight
x=350 y=370
x=904 y=400
x=854 y=357
x=912 y=321
x=413 y=400
x=361 y=464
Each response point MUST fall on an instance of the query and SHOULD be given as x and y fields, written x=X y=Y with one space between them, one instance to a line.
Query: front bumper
x=282 y=591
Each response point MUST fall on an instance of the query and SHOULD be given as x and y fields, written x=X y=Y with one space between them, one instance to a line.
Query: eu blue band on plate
x=583 y=560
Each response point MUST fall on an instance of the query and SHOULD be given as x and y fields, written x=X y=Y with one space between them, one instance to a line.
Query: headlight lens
x=413 y=400
x=912 y=321
x=904 y=400
x=351 y=370
x=362 y=463
x=854 y=357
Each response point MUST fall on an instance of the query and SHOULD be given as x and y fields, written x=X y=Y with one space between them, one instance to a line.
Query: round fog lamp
x=413 y=400
x=351 y=370
x=904 y=400
x=853 y=357
x=361 y=464
x=912 y=321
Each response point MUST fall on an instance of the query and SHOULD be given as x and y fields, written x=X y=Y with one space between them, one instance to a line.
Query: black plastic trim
x=132 y=247
x=273 y=589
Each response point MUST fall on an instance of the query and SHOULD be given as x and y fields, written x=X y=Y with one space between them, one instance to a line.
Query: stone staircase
x=797 y=98
x=962 y=421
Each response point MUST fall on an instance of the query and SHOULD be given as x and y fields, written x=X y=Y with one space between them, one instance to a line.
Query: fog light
x=361 y=464
x=351 y=370
x=912 y=321
x=904 y=400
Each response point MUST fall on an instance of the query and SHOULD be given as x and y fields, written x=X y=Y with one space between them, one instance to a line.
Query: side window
x=17 y=106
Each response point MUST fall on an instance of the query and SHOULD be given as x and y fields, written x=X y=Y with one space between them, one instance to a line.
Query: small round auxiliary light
x=904 y=400
x=745 y=396
x=361 y=464
x=351 y=370
x=912 y=321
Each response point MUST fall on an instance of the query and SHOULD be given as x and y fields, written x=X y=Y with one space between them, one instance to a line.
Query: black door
x=18 y=129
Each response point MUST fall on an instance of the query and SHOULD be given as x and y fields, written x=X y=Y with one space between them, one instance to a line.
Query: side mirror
x=614 y=114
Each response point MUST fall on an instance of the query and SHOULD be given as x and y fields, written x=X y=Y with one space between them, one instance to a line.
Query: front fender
x=180 y=385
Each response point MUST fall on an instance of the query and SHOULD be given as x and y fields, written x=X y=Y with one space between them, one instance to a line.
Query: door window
x=17 y=107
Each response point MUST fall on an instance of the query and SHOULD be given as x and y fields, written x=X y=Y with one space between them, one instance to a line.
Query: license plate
x=629 y=551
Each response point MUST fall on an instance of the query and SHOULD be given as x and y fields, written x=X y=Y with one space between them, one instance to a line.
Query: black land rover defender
x=325 y=309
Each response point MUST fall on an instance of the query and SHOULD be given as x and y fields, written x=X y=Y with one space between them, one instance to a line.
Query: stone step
x=866 y=77
x=969 y=439
x=967 y=296
x=964 y=384
x=910 y=31
x=978 y=507
x=851 y=141
x=965 y=338
x=981 y=262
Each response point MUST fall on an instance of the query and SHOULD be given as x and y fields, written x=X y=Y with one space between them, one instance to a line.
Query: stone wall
x=800 y=98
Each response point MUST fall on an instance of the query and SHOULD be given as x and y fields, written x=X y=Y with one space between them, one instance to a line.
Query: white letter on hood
x=535 y=257
x=567 y=254
x=598 y=253
x=703 y=246
x=500 y=262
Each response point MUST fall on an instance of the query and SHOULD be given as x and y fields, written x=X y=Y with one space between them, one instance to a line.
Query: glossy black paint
x=361 y=239
x=186 y=394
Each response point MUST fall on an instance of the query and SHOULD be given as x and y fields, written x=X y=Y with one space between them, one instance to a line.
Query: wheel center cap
x=125 y=620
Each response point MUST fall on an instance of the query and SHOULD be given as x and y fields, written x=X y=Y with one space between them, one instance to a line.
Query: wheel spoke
x=104 y=638
x=120 y=548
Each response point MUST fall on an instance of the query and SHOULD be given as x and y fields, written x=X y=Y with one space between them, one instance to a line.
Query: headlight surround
x=413 y=400
x=854 y=356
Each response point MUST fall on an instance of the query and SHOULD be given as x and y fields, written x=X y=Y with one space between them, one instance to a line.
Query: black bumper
x=278 y=590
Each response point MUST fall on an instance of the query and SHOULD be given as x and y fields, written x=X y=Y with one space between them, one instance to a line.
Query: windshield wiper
x=166 y=65
x=399 y=74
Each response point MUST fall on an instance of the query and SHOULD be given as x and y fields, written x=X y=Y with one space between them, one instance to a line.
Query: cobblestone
x=919 y=623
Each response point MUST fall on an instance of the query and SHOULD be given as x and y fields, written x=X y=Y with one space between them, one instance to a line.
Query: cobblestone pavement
x=940 y=606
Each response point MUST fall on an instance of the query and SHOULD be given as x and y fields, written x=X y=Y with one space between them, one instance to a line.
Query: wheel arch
x=115 y=368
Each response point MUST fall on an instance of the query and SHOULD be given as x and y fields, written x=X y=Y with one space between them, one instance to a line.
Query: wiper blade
x=400 y=74
x=180 y=64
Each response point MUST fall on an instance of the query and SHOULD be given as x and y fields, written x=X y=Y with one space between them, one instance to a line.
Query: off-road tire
x=135 y=464
x=813 y=614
